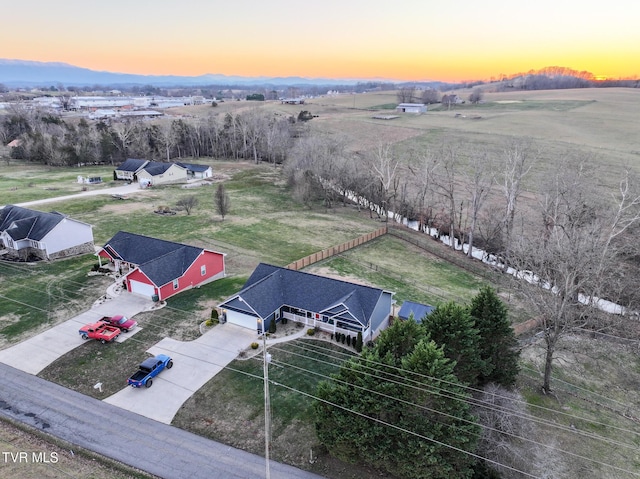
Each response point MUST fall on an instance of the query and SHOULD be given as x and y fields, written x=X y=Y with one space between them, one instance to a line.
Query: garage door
x=243 y=320
x=142 y=288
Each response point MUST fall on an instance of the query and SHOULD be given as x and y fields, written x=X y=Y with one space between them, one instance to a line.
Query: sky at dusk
x=350 y=39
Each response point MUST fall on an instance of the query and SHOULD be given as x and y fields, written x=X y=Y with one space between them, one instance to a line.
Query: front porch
x=329 y=326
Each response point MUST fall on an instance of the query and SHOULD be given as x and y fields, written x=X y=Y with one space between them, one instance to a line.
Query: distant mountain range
x=23 y=73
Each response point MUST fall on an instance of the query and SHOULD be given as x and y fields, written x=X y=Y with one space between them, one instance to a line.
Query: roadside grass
x=72 y=461
x=230 y=407
x=39 y=295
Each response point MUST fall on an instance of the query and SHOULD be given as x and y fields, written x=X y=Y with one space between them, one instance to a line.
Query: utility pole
x=266 y=358
x=267 y=401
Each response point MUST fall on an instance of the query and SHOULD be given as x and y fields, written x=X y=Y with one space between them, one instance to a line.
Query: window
x=203 y=270
x=175 y=284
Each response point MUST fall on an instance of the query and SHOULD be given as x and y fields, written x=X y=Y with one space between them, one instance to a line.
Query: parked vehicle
x=149 y=369
x=99 y=331
x=121 y=322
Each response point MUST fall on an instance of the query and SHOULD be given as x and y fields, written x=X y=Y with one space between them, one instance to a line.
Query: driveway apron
x=36 y=353
x=195 y=363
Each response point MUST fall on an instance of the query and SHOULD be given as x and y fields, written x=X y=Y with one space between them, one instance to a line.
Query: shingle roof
x=270 y=287
x=193 y=166
x=160 y=260
x=155 y=168
x=418 y=310
x=132 y=164
x=22 y=223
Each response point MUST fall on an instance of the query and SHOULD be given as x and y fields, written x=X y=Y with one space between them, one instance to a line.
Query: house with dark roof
x=156 y=173
x=196 y=171
x=128 y=170
x=159 y=269
x=416 y=310
x=272 y=293
x=25 y=233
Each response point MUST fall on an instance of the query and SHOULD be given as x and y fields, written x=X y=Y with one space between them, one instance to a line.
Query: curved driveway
x=157 y=448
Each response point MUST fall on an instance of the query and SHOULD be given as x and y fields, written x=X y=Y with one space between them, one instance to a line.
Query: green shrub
x=348 y=340
x=254 y=345
x=311 y=331
x=214 y=313
x=208 y=322
x=272 y=326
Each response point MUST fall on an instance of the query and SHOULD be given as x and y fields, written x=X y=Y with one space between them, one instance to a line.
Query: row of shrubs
x=349 y=340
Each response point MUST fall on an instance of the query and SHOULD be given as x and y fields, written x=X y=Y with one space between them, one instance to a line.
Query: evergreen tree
x=391 y=409
x=451 y=326
x=498 y=343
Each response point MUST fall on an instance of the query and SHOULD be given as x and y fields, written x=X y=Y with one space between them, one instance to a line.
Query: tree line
x=47 y=138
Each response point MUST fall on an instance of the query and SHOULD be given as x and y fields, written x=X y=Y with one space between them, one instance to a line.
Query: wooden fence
x=334 y=250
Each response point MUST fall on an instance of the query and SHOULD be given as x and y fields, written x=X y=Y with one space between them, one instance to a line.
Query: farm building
x=272 y=293
x=25 y=232
x=160 y=269
x=416 y=310
x=411 y=108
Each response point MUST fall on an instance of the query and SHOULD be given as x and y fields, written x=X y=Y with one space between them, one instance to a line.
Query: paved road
x=157 y=448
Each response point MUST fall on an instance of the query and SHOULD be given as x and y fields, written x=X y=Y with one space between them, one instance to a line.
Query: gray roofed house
x=197 y=171
x=156 y=267
x=158 y=173
x=129 y=169
x=416 y=310
x=272 y=292
x=25 y=232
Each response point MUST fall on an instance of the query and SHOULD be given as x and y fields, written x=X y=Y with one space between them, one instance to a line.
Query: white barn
x=411 y=108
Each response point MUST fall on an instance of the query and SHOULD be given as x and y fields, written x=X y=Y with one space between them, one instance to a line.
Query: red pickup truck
x=100 y=331
x=121 y=322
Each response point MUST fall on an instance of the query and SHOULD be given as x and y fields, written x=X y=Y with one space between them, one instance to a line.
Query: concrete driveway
x=34 y=354
x=195 y=363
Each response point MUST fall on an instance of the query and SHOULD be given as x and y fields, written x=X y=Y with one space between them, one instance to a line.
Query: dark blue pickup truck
x=149 y=369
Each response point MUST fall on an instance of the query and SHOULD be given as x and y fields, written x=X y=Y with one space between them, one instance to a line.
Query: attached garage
x=142 y=289
x=241 y=319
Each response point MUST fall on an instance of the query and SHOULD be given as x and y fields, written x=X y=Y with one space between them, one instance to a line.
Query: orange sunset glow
x=404 y=40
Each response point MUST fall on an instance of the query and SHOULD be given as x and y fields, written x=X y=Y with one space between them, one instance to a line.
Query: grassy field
x=596 y=382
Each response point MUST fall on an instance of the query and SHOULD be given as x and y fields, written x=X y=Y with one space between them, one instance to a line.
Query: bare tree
x=406 y=94
x=444 y=181
x=384 y=166
x=222 y=202
x=188 y=203
x=476 y=95
x=564 y=269
x=479 y=182
x=430 y=96
x=518 y=158
x=123 y=136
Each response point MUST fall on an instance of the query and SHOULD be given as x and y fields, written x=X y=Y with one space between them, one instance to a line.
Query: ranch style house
x=272 y=293
x=149 y=173
x=25 y=232
x=159 y=269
